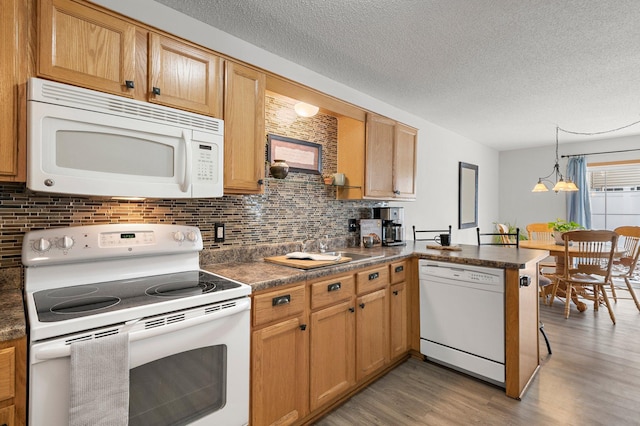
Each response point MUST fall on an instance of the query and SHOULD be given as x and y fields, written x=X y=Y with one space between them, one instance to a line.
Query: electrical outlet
x=353 y=225
x=219 y=232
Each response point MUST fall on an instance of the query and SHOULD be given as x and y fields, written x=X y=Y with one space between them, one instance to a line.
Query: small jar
x=279 y=169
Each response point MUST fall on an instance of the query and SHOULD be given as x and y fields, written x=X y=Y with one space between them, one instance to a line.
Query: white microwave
x=84 y=142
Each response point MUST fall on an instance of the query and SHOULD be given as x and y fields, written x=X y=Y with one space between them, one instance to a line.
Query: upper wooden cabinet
x=390 y=151
x=378 y=158
x=84 y=46
x=183 y=76
x=16 y=65
x=244 y=129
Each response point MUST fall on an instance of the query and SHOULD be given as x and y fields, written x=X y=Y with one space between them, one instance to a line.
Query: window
x=615 y=194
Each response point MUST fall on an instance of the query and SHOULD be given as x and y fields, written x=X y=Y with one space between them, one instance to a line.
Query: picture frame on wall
x=301 y=156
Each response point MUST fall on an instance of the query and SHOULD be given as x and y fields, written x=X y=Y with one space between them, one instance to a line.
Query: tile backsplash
x=299 y=207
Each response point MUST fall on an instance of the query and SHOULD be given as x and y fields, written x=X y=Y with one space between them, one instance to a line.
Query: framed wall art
x=301 y=156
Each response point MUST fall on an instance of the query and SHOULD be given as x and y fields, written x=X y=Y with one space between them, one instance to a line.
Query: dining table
x=558 y=251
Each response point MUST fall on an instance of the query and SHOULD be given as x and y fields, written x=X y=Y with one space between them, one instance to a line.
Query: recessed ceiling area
x=502 y=73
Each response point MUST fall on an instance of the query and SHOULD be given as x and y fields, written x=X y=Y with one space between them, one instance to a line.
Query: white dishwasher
x=462 y=318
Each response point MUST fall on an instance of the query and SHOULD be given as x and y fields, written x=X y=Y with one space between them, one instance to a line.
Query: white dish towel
x=100 y=382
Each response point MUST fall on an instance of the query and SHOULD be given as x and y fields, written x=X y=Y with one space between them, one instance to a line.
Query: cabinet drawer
x=372 y=279
x=398 y=272
x=326 y=292
x=7 y=373
x=278 y=304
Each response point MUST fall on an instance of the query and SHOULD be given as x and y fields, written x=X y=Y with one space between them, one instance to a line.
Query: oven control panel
x=101 y=242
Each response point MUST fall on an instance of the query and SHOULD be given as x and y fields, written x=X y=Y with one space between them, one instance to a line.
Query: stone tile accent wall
x=299 y=207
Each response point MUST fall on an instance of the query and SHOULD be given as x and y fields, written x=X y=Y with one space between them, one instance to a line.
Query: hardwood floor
x=592 y=378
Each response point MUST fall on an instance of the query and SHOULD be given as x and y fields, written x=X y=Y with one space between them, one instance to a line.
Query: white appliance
x=84 y=142
x=188 y=329
x=462 y=318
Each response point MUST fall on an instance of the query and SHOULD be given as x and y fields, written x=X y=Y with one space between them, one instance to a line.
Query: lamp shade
x=560 y=186
x=305 y=110
x=540 y=187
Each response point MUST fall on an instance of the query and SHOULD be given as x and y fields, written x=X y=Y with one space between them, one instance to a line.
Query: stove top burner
x=84 y=304
x=89 y=299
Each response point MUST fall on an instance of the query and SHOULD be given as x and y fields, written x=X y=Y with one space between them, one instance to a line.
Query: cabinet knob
x=362 y=305
x=395 y=292
x=303 y=327
x=352 y=309
x=156 y=91
x=129 y=84
x=395 y=191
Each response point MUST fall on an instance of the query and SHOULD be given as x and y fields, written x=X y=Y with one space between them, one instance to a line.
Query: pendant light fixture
x=560 y=184
x=305 y=110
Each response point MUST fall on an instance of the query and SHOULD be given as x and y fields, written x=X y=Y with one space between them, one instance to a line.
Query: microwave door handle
x=186 y=183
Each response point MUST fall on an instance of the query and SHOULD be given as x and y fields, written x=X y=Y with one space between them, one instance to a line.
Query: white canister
x=338 y=179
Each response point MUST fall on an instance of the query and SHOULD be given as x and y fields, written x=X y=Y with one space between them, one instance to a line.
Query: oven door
x=204 y=359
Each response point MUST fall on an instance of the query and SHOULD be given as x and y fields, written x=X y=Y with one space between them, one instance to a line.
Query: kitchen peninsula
x=302 y=288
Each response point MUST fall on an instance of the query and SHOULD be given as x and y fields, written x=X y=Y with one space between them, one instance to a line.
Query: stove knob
x=65 y=242
x=192 y=236
x=178 y=236
x=42 y=245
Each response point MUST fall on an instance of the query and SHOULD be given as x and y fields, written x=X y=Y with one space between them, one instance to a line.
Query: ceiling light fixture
x=560 y=184
x=305 y=110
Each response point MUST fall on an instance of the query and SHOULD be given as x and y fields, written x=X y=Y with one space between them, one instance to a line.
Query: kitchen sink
x=355 y=257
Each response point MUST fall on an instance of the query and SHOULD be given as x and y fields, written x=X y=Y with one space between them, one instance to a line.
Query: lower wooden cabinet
x=372 y=332
x=13 y=357
x=355 y=324
x=399 y=320
x=279 y=357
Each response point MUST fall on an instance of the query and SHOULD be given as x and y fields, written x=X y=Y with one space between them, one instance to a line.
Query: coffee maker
x=392 y=225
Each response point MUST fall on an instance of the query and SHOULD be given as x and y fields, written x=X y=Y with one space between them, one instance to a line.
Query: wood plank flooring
x=592 y=378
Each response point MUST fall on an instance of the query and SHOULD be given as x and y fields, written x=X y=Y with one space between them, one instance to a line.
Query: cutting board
x=304 y=263
x=445 y=248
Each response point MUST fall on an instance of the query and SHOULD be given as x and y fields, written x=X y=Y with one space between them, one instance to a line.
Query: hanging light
x=305 y=110
x=561 y=184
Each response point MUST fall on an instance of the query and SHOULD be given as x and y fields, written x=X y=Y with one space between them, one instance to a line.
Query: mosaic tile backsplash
x=298 y=208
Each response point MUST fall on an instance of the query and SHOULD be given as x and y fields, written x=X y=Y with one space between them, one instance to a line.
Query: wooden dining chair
x=547 y=268
x=421 y=235
x=624 y=267
x=587 y=267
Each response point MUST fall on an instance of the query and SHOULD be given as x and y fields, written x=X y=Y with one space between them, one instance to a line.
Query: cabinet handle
x=395 y=191
x=156 y=91
x=352 y=309
x=395 y=292
x=334 y=287
x=399 y=268
x=303 y=327
x=281 y=300
x=362 y=305
x=374 y=276
x=260 y=182
x=129 y=84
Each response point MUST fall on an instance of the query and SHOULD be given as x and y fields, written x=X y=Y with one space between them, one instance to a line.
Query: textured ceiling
x=501 y=72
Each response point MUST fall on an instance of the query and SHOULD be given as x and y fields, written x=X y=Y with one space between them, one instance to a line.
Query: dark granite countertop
x=12 y=318
x=261 y=275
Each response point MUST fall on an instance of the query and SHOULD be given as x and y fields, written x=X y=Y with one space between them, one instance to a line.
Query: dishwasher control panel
x=468 y=273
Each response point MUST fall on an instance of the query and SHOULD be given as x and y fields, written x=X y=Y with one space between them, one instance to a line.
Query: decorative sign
x=301 y=156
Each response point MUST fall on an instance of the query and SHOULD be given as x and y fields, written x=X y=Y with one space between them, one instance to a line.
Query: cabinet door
x=7 y=416
x=279 y=373
x=404 y=164
x=16 y=63
x=372 y=332
x=185 y=77
x=380 y=133
x=82 y=46
x=244 y=134
x=332 y=355
x=399 y=326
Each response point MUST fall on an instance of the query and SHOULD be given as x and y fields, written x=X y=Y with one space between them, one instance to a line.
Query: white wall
x=520 y=170
x=439 y=150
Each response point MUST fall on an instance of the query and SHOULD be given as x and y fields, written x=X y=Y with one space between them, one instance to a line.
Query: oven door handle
x=62 y=350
